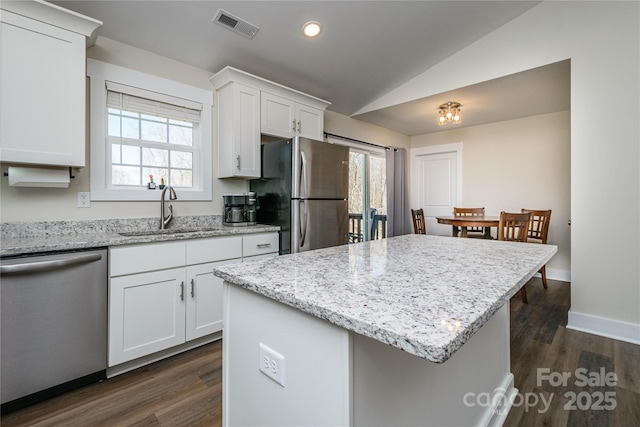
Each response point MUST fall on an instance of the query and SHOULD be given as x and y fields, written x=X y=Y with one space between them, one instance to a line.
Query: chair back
x=470 y=212
x=373 y=224
x=539 y=225
x=514 y=226
x=418 y=221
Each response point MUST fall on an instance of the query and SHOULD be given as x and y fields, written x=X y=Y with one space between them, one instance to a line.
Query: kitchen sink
x=165 y=231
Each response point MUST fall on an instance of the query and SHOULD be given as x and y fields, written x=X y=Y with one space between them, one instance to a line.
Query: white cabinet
x=146 y=314
x=249 y=106
x=42 y=83
x=204 y=300
x=238 y=131
x=285 y=118
x=163 y=295
x=260 y=244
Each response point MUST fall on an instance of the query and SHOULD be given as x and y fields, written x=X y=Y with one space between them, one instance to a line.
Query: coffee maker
x=239 y=209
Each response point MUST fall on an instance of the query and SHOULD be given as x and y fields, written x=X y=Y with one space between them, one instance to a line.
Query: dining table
x=461 y=223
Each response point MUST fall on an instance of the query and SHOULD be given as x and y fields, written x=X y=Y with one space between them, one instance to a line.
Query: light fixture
x=449 y=113
x=311 y=28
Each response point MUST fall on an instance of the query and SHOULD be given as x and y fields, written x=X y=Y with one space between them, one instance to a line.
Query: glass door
x=367 y=196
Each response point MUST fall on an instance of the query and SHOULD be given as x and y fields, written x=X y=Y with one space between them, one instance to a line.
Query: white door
x=436 y=183
x=204 y=300
x=310 y=122
x=147 y=314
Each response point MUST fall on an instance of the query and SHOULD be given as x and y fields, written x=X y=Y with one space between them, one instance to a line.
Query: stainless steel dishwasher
x=54 y=325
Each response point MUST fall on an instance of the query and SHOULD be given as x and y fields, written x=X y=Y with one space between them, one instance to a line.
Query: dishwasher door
x=54 y=325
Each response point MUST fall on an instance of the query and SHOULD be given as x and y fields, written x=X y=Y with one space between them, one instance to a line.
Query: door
x=367 y=196
x=310 y=121
x=319 y=224
x=54 y=321
x=436 y=184
x=321 y=170
x=147 y=314
x=277 y=116
x=204 y=300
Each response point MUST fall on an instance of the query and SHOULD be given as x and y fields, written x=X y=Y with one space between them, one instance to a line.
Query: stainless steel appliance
x=304 y=189
x=54 y=325
x=239 y=209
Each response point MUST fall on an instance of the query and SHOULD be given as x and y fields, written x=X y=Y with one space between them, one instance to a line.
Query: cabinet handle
x=263 y=245
x=181 y=291
x=238 y=162
x=293 y=125
x=193 y=288
x=299 y=126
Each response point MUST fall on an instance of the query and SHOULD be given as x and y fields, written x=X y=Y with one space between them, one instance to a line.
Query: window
x=147 y=127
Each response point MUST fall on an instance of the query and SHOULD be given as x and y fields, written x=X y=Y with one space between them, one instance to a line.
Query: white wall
x=522 y=163
x=601 y=39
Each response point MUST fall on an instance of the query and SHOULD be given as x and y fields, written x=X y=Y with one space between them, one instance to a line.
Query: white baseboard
x=556 y=274
x=501 y=403
x=615 y=329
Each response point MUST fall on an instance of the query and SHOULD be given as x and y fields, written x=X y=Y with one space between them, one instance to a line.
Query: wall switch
x=272 y=364
x=84 y=199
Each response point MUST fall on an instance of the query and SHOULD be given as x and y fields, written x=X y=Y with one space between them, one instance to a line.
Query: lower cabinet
x=163 y=295
x=147 y=314
x=204 y=300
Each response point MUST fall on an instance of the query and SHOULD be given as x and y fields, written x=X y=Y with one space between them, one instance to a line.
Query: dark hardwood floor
x=541 y=341
x=185 y=390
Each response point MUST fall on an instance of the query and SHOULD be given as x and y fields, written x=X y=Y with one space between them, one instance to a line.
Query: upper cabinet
x=282 y=117
x=249 y=106
x=43 y=83
x=238 y=131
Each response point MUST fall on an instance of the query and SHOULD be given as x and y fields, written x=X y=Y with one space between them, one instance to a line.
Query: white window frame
x=101 y=189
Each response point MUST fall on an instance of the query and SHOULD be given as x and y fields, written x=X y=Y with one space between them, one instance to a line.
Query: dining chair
x=538 y=231
x=418 y=221
x=477 y=232
x=514 y=227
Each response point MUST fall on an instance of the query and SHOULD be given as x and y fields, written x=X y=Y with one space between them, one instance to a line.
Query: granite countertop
x=39 y=237
x=426 y=295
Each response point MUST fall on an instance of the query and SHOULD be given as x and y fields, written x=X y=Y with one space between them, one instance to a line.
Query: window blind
x=161 y=106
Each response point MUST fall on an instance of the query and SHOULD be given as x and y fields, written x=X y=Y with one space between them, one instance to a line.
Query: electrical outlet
x=272 y=364
x=84 y=199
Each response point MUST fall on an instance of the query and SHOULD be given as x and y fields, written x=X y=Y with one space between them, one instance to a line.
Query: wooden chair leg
x=523 y=294
x=543 y=272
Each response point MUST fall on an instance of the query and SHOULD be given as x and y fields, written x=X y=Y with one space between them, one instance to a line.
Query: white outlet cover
x=84 y=199
x=271 y=364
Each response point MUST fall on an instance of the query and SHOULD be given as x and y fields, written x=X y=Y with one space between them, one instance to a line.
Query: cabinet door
x=277 y=116
x=146 y=314
x=204 y=300
x=238 y=132
x=43 y=93
x=310 y=122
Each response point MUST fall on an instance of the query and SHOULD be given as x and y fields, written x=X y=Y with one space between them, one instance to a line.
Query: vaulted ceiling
x=365 y=50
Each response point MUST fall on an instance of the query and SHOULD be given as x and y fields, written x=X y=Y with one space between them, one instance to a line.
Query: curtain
x=398 y=213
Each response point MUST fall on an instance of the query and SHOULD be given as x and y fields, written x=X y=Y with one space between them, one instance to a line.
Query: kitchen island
x=402 y=331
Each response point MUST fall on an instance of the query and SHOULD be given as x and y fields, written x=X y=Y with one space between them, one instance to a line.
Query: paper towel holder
x=38 y=177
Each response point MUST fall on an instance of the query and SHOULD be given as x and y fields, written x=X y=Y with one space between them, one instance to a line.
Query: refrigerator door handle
x=304 y=182
x=303 y=223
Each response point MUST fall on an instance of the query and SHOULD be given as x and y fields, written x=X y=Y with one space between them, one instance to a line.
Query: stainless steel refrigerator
x=304 y=189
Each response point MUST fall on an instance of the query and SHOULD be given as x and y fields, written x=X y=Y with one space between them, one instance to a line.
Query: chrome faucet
x=164 y=221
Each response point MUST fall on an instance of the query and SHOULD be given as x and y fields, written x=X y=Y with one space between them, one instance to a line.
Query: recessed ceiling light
x=311 y=28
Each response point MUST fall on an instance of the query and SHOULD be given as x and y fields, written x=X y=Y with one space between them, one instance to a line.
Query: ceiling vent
x=235 y=24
